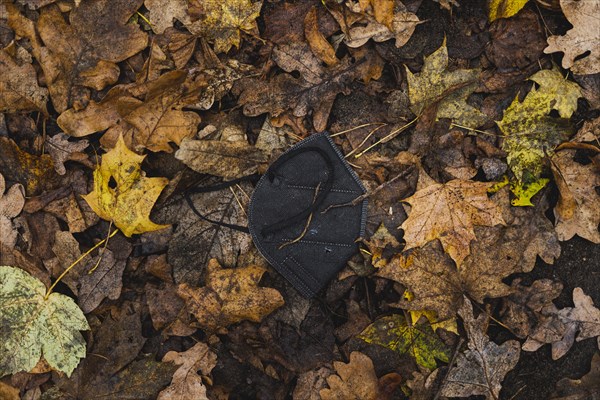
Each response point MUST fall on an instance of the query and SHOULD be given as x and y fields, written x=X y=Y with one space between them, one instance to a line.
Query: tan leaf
x=355 y=380
x=66 y=249
x=61 y=150
x=449 y=212
x=317 y=42
x=581 y=39
x=11 y=204
x=231 y=295
x=186 y=383
x=162 y=14
x=579 y=184
x=19 y=90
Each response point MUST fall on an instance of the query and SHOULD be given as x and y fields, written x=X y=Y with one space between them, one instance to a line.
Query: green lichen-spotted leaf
x=449 y=89
x=33 y=327
x=418 y=339
x=524 y=192
x=564 y=93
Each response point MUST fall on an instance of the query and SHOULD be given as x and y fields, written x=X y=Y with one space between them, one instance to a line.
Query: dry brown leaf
x=317 y=42
x=310 y=383
x=380 y=243
x=580 y=182
x=61 y=150
x=162 y=14
x=481 y=369
x=66 y=249
x=74 y=211
x=585 y=388
x=8 y=392
x=167 y=310
x=186 y=383
x=19 y=90
x=221 y=158
x=582 y=39
x=231 y=295
x=11 y=204
x=449 y=212
x=354 y=381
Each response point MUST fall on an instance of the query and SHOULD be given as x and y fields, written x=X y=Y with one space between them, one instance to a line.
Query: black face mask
x=290 y=218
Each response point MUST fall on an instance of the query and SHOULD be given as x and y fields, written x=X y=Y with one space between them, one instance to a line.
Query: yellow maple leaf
x=223 y=20
x=448 y=212
x=231 y=295
x=122 y=194
x=505 y=8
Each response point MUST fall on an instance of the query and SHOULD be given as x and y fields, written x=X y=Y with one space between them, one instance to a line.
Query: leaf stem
x=49 y=291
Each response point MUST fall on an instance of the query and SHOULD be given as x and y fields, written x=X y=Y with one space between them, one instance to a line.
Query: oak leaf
x=418 y=340
x=20 y=90
x=61 y=151
x=231 y=295
x=128 y=203
x=580 y=182
x=586 y=387
x=448 y=89
x=581 y=39
x=187 y=384
x=481 y=369
x=223 y=21
x=449 y=212
x=34 y=326
x=11 y=204
x=354 y=380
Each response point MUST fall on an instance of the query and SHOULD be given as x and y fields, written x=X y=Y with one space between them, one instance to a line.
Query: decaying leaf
x=231 y=295
x=187 y=384
x=581 y=39
x=61 y=151
x=122 y=194
x=21 y=91
x=11 y=204
x=418 y=340
x=585 y=388
x=449 y=212
x=355 y=380
x=317 y=42
x=580 y=184
x=222 y=22
x=35 y=326
x=505 y=8
x=481 y=369
x=380 y=243
x=162 y=14
x=167 y=310
x=448 y=89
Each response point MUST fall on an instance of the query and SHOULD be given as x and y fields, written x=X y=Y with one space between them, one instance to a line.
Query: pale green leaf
x=35 y=327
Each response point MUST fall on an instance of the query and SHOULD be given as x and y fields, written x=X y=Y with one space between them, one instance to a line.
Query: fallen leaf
x=505 y=8
x=317 y=42
x=11 y=204
x=580 y=181
x=66 y=249
x=162 y=14
x=167 y=310
x=8 y=392
x=581 y=40
x=481 y=369
x=128 y=203
x=35 y=326
x=226 y=159
x=310 y=383
x=418 y=340
x=20 y=90
x=355 y=380
x=380 y=243
x=105 y=281
x=222 y=22
x=584 y=319
x=186 y=383
x=449 y=212
x=61 y=151
x=231 y=295
x=565 y=93
x=422 y=385
x=585 y=388
x=448 y=89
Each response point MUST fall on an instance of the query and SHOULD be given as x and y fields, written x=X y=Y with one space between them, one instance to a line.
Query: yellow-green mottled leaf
x=450 y=90
x=564 y=93
x=35 y=327
x=418 y=339
x=525 y=191
x=505 y=8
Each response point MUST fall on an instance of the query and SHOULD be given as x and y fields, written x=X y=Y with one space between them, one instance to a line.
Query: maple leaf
x=448 y=212
x=129 y=202
x=448 y=89
x=419 y=340
x=505 y=8
x=581 y=39
x=355 y=380
x=580 y=182
x=481 y=369
x=34 y=326
x=187 y=384
x=231 y=295
x=11 y=204
x=84 y=52
x=222 y=22
x=20 y=92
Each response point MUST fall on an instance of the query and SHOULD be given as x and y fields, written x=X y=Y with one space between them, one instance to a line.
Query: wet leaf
x=231 y=295
x=354 y=380
x=35 y=327
x=418 y=340
x=505 y=8
x=449 y=212
x=581 y=40
x=481 y=369
x=122 y=194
